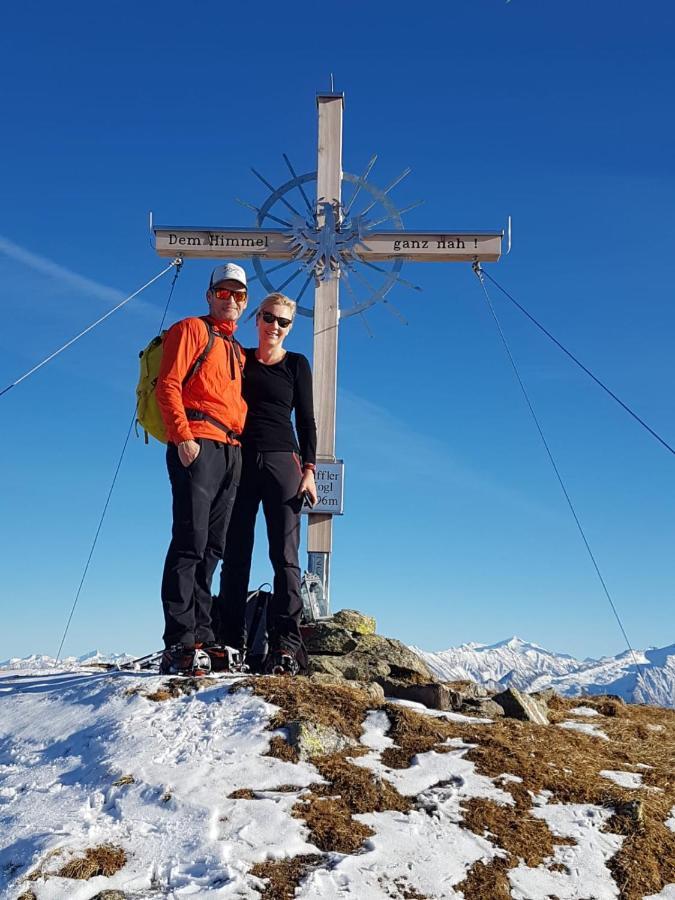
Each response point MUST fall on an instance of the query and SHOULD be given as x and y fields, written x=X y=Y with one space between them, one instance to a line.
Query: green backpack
x=148 y=414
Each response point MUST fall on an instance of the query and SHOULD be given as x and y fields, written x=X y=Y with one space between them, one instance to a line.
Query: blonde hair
x=274 y=298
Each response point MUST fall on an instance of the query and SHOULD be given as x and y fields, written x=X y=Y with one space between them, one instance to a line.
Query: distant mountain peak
x=521 y=664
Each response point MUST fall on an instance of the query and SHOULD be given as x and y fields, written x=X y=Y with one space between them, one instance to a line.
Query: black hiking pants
x=272 y=477
x=203 y=496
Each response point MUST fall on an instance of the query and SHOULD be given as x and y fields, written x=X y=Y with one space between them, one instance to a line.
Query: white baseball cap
x=228 y=272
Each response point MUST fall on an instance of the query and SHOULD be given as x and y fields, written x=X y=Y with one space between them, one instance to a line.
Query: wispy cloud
x=65 y=276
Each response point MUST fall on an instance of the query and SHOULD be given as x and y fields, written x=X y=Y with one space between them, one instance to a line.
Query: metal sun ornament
x=323 y=251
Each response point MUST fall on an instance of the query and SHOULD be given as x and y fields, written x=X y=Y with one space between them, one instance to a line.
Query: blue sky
x=558 y=114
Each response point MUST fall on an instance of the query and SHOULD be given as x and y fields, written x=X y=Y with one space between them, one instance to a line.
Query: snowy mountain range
x=528 y=667
x=512 y=662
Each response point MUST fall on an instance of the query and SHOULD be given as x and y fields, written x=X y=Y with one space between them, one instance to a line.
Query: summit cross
x=327 y=243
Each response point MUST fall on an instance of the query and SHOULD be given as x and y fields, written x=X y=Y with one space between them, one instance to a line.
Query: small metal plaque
x=330 y=488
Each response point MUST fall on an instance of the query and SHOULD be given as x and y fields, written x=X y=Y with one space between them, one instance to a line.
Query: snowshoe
x=224 y=658
x=180 y=660
x=281 y=663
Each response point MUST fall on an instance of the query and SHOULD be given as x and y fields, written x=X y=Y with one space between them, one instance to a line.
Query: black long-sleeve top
x=272 y=393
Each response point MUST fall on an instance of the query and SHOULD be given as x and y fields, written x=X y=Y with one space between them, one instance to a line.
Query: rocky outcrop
x=522 y=706
x=346 y=646
x=311 y=739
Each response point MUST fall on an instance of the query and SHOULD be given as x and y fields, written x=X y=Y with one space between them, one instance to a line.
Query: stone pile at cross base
x=346 y=648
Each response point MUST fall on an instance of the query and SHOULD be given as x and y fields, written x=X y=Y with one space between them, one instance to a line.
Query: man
x=199 y=396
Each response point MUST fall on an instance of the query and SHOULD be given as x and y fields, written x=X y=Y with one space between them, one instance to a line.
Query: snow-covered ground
x=87 y=759
x=526 y=666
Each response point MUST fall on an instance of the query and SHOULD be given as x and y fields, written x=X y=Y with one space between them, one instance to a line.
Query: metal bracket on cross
x=328 y=242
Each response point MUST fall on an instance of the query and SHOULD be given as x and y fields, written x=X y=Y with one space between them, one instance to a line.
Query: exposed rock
x=325 y=665
x=432 y=694
x=345 y=646
x=355 y=666
x=463 y=691
x=632 y=810
x=403 y=662
x=483 y=707
x=311 y=739
x=325 y=637
x=355 y=621
x=522 y=706
x=110 y=895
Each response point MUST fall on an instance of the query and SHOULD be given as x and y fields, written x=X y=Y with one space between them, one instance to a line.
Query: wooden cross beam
x=330 y=245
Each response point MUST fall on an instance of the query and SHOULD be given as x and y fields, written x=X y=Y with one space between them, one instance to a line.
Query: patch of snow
x=375 y=730
x=439 y=713
x=668 y=893
x=410 y=850
x=584 y=728
x=670 y=823
x=584 y=711
x=586 y=873
x=432 y=768
x=71 y=737
x=428 y=854
x=623 y=779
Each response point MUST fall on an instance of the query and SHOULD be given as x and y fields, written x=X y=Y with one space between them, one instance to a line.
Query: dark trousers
x=203 y=496
x=273 y=478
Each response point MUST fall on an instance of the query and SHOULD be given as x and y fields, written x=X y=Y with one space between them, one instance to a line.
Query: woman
x=277 y=469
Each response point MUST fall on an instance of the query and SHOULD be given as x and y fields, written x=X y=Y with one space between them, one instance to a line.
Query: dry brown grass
x=547 y=758
x=328 y=809
x=487 y=881
x=279 y=748
x=341 y=707
x=360 y=790
x=331 y=826
x=412 y=733
x=521 y=835
x=242 y=794
x=284 y=875
x=180 y=687
x=104 y=860
x=566 y=763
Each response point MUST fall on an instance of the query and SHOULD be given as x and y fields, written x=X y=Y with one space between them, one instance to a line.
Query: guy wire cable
x=479 y=273
x=579 y=363
x=178 y=263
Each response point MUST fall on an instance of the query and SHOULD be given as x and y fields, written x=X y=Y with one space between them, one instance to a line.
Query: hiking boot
x=223 y=658
x=182 y=660
x=281 y=663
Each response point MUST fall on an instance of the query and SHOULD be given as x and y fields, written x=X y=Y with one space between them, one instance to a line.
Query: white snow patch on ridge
x=584 y=728
x=586 y=873
x=623 y=779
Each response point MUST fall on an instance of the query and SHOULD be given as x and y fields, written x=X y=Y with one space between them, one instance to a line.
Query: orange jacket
x=215 y=389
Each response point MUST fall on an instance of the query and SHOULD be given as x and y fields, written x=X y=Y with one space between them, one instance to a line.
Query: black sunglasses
x=270 y=318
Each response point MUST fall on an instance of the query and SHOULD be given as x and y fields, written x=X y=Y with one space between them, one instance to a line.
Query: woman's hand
x=308 y=484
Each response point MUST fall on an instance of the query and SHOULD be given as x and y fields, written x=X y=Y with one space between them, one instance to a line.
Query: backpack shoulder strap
x=199 y=362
